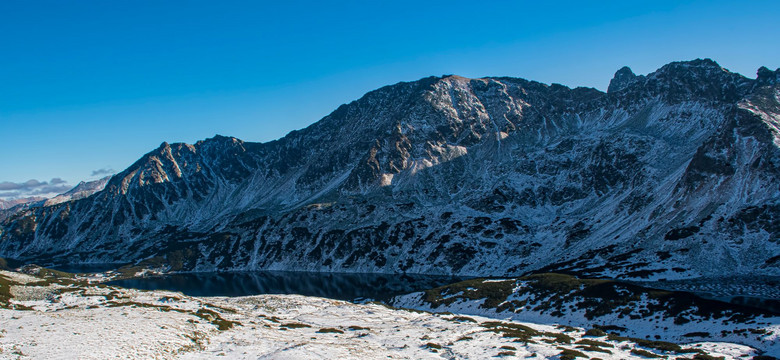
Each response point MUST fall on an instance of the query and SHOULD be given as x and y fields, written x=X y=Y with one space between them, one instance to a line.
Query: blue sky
x=93 y=85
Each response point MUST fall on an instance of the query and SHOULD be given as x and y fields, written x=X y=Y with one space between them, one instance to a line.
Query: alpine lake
x=340 y=286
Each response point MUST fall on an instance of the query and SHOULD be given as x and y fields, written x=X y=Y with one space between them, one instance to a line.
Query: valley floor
x=45 y=320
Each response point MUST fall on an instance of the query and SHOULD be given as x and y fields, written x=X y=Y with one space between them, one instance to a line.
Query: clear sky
x=87 y=87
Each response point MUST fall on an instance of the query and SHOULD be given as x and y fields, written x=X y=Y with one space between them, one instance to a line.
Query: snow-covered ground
x=637 y=312
x=56 y=319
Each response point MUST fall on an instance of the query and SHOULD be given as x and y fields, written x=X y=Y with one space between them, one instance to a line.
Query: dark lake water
x=760 y=292
x=339 y=286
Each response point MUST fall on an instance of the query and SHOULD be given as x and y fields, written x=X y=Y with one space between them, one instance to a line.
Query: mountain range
x=9 y=203
x=670 y=175
x=82 y=190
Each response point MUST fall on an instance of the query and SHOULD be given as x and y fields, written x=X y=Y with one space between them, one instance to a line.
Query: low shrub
x=330 y=330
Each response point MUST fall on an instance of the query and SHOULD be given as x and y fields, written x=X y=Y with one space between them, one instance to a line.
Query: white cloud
x=103 y=172
x=11 y=190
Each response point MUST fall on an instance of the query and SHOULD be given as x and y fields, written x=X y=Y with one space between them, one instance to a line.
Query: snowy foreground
x=61 y=319
x=631 y=311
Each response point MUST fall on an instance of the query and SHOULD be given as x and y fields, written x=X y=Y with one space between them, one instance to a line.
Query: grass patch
x=213 y=317
x=708 y=357
x=519 y=332
x=462 y=319
x=330 y=330
x=356 y=328
x=5 y=291
x=522 y=333
x=205 y=314
x=591 y=342
x=566 y=328
x=595 y=332
x=295 y=325
x=494 y=292
x=645 y=353
x=570 y=354
x=220 y=308
x=559 y=338
x=432 y=346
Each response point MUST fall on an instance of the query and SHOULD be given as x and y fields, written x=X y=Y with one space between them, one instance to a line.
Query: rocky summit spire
x=764 y=76
x=621 y=80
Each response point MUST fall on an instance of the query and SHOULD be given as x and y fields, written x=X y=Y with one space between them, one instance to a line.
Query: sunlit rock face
x=674 y=174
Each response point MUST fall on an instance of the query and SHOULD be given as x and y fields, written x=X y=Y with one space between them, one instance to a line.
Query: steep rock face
x=673 y=174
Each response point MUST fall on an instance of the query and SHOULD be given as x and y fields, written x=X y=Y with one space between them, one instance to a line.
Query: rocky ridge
x=669 y=175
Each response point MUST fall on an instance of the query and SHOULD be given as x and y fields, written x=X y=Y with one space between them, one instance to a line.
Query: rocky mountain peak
x=764 y=76
x=698 y=68
x=621 y=80
x=700 y=79
x=222 y=139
